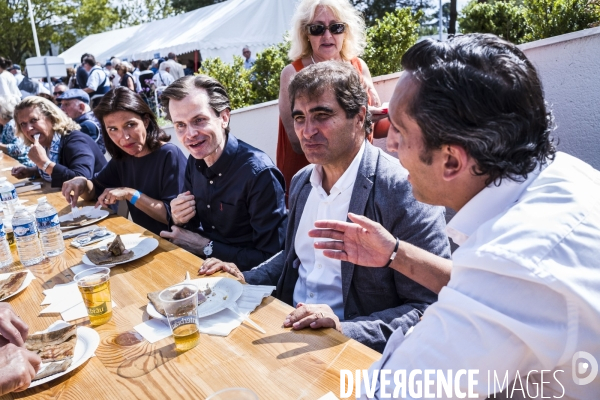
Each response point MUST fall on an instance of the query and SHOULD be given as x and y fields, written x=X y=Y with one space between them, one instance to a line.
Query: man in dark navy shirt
x=233 y=205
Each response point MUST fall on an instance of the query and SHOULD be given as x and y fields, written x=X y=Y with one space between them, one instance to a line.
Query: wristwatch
x=208 y=249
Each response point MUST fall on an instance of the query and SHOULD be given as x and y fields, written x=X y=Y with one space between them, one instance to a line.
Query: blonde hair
x=354 y=36
x=61 y=124
x=127 y=67
x=7 y=106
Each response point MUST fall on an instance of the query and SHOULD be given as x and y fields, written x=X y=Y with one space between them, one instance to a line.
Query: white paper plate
x=95 y=215
x=140 y=246
x=227 y=291
x=25 y=283
x=87 y=343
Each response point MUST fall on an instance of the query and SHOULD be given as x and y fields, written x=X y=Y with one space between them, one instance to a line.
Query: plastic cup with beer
x=94 y=285
x=180 y=303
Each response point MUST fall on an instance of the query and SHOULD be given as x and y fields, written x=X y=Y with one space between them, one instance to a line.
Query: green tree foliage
x=389 y=38
x=504 y=19
x=524 y=21
x=189 y=5
x=376 y=9
x=267 y=72
x=546 y=18
x=234 y=77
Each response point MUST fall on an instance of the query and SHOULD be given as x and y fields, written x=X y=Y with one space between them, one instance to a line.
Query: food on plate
x=181 y=294
x=115 y=252
x=11 y=284
x=77 y=221
x=55 y=348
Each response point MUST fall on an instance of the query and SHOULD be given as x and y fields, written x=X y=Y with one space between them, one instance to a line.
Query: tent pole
x=195 y=61
x=35 y=38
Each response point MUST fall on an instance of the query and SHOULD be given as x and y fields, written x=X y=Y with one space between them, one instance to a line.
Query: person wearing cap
x=249 y=62
x=27 y=86
x=76 y=104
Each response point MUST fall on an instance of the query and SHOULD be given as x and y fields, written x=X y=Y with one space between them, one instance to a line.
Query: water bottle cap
x=42 y=200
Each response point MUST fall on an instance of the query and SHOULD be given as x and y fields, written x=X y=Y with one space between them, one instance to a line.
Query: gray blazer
x=377 y=301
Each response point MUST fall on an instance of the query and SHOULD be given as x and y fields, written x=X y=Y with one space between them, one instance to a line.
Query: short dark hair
x=171 y=56
x=5 y=63
x=482 y=93
x=341 y=78
x=89 y=60
x=218 y=99
x=123 y=99
x=84 y=55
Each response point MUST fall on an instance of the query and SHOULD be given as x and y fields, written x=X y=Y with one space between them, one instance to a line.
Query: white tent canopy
x=220 y=30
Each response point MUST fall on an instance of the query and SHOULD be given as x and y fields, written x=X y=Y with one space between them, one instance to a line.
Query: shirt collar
x=223 y=162
x=485 y=205
x=346 y=180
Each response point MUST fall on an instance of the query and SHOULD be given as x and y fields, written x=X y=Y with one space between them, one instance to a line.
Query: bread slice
x=55 y=348
x=11 y=284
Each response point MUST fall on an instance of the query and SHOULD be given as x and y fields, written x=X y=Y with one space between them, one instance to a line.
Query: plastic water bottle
x=48 y=225
x=8 y=196
x=26 y=236
x=5 y=256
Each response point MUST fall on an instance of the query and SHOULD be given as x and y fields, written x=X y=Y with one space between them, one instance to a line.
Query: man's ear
x=225 y=116
x=361 y=117
x=456 y=161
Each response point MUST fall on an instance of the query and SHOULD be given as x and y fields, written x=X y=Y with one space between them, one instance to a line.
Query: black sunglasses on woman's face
x=319 y=29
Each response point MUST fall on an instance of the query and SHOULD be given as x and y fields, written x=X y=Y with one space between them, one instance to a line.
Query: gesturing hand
x=183 y=208
x=212 y=265
x=112 y=195
x=364 y=242
x=314 y=316
x=22 y=171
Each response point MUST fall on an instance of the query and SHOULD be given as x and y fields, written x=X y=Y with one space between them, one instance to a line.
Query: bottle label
x=50 y=221
x=25 y=229
x=9 y=195
x=2 y=233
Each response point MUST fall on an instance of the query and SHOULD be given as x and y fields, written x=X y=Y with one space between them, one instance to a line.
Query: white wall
x=570 y=69
x=569 y=66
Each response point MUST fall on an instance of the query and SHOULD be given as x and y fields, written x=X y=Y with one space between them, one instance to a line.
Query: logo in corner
x=584 y=363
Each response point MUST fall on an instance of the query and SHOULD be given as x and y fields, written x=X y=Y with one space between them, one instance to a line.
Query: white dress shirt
x=524 y=293
x=8 y=85
x=162 y=78
x=175 y=69
x=320 y=278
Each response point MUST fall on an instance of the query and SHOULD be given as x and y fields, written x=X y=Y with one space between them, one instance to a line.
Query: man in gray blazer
x=347 y=175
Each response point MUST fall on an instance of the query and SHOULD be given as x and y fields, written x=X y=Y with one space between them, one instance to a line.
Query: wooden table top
x=281 y=364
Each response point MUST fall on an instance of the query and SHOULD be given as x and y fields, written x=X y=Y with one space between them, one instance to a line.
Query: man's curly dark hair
x=482 y=93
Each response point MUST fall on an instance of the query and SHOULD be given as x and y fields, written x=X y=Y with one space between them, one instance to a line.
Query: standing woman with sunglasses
x=323 y=30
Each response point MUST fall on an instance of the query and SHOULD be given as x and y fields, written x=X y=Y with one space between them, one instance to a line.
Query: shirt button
x=211 y=182
x=311 y=295
x=319 y=266
x=208 y=206
x=219 y=174
x=213 y=227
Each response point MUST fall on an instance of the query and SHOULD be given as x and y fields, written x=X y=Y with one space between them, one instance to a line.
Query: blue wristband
x=135 y=197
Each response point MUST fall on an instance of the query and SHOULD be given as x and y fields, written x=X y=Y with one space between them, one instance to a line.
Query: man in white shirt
x=163 y=77
x=98 y=81
x=175 y=69
x=8 y=83
x=348 y=174
x=519 y=313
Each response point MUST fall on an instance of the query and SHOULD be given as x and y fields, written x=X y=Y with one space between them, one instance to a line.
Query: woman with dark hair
x=145 y=170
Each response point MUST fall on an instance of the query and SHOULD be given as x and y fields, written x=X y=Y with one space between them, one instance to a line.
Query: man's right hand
x=77 y=186
x=183 y=208
x=364 y=242
x=18 y=367
x=212 y=265
x=12 y=328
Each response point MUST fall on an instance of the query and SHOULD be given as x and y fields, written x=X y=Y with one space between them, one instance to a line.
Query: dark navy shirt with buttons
x=239 y=204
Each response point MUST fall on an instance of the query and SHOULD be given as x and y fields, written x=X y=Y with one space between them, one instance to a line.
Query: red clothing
x=288 y=161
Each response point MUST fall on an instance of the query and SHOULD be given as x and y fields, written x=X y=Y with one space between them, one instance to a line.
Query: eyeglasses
x=59 y=93
x=319 y=30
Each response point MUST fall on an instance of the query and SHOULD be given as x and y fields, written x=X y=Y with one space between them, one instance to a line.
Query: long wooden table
x=281 y=364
